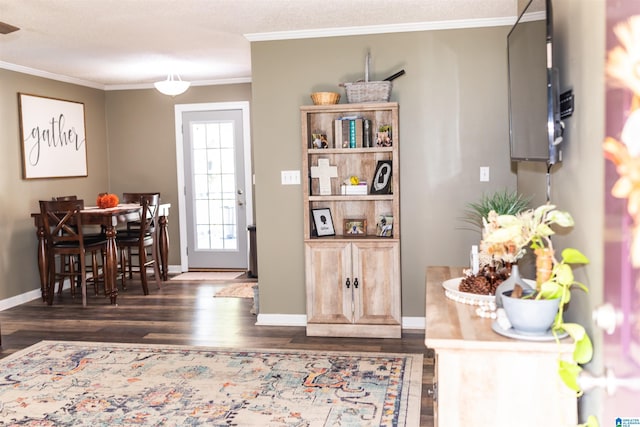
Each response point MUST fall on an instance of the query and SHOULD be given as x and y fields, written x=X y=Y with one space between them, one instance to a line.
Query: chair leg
x=83 y=279
x=65 y=262
x=123 y=268
x=94 y=270
x=72 y=277
x=129 y=254
x=156 y=266
x=142 y=260
x=51 y=280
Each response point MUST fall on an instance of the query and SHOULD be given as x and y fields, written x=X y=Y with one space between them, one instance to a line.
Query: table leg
x=111 y=267
x=42 y=262
x=163 y=244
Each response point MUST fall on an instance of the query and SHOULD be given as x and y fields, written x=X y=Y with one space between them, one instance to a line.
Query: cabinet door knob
x=432 y=392
x=355 y=283
x=348 y=283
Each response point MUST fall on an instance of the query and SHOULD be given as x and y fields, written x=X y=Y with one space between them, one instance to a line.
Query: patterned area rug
x=59 y=383
x=237 y=290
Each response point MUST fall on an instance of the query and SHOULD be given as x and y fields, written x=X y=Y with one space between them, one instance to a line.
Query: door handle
x=348 y=283
x=608 y=381
x=607 y=317
x=355 y=283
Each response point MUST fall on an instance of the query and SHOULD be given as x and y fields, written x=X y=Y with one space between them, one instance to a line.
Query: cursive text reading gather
x=54 y=135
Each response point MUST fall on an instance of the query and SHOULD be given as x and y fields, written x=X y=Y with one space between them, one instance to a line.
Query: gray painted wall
x=142 y=142
x=453 y=119
x=19 y=198
x=577 y=184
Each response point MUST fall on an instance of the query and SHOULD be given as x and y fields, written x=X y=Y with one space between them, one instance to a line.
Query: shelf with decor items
x=351 y=196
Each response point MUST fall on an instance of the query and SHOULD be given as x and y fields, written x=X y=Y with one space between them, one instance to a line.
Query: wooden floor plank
x=184 y=313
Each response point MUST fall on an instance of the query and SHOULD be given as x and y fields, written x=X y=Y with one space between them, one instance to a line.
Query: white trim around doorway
x=210 y=106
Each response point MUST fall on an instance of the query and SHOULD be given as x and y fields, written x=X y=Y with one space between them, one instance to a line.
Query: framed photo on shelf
x=381 y=182
x=355 y=227
x=323 y=222
x=384 y=227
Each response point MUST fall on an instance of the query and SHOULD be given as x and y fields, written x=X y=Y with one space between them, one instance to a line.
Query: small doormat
x=237 y=290
x=208 y=275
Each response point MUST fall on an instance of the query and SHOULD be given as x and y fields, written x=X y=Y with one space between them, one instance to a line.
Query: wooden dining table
x=108 y=219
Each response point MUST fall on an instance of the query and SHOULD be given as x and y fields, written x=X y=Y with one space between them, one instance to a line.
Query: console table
x=485 y=379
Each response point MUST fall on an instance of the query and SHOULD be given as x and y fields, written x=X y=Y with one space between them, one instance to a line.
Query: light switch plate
x=484 y=173
x=290 y=177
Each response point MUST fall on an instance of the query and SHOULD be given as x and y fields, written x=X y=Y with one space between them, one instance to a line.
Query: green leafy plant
x=502 y=202
x=559 y=286
x=506 y=236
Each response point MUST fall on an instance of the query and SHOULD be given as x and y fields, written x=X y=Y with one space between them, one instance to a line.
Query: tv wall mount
x=566 y=104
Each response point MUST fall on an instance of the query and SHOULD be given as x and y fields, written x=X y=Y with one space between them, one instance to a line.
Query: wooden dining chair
x=140 y=240
x=64 y=236
x=93 y=268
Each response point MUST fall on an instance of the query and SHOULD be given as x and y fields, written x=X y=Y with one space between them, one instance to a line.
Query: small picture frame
x=355 y=227
x=381 y=182
x=384 y=226
x=323 y=222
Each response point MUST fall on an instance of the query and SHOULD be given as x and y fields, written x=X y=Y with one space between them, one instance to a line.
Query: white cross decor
x=324 y=173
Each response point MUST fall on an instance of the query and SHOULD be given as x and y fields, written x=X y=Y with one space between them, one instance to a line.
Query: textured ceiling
x=124 y=43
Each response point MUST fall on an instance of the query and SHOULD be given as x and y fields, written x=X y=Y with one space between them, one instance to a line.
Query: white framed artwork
x=53 y=138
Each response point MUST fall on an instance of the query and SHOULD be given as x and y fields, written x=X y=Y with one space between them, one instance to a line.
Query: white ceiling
x=114 y=44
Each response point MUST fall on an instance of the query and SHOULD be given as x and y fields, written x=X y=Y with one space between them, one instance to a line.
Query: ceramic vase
x=509 y=284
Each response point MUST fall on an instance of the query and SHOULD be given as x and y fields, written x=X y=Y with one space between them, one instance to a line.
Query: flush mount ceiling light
x=172 y=86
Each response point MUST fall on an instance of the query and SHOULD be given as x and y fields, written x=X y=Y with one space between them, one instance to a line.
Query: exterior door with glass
x=215 y=189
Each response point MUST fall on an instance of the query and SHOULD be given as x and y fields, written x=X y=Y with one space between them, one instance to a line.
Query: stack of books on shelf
x=355 y=190
x=352 y=132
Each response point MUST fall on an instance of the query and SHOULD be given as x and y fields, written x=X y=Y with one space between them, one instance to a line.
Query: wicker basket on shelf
x=325 y=98
x=368 y=91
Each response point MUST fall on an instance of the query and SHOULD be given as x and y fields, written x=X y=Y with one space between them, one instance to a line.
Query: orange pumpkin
x=107 y=200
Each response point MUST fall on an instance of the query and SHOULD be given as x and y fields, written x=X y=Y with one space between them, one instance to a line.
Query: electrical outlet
x=290 y=177
x=484 y=173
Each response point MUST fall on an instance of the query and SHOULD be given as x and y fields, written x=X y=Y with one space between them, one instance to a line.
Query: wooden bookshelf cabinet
x=353 y=281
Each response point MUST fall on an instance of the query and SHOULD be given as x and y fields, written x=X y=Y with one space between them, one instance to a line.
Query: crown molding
x=50 y=76
x=381 y=29
x=231 y=81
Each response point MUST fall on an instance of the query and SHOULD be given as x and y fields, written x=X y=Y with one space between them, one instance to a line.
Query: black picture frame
x=323 y=222
x=381 y=182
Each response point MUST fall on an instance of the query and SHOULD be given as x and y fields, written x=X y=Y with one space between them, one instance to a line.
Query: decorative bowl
x=325 y=98
x=530 y=316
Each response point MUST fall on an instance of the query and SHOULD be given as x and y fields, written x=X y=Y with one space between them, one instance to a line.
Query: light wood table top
x=454 y=325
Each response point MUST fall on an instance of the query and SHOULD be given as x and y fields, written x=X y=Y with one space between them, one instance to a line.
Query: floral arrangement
x=107 y=200
x=506 y=237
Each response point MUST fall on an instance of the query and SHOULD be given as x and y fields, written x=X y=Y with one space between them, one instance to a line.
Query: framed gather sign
x=52 y=133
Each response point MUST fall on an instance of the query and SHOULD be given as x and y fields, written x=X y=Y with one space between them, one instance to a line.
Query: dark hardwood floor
x=183 y=313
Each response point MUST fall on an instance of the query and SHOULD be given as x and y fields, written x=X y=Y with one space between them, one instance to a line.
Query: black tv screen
x=534 y=118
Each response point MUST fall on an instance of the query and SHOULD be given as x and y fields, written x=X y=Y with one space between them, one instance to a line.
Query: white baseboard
x=20 y=299
x=408 y=323
x=282 y=320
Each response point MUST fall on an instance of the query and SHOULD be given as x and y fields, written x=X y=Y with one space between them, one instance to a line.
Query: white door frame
x=210 y=106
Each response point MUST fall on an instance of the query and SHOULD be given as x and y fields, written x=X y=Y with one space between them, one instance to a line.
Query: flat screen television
x=535 y=128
